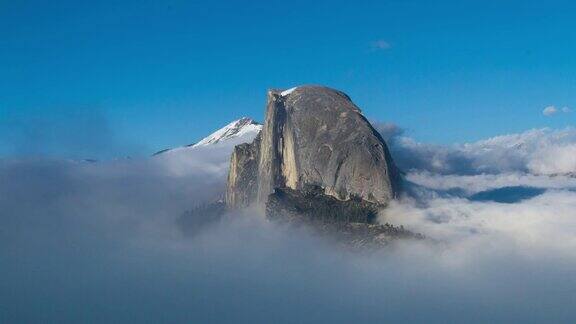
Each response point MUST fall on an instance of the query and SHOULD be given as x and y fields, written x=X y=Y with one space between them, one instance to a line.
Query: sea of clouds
x=100 y=242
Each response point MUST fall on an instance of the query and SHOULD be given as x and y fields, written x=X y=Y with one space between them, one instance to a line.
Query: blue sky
x=133 y=77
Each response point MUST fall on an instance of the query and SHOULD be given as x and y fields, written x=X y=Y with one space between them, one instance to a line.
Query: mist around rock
x=100 y=241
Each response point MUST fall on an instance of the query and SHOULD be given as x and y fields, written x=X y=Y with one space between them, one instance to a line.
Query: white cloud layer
x=472 y=184
x=85 y=242
x=538 y=151
x=471 y=232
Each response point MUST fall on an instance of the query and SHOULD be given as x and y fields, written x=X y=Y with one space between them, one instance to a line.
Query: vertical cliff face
x=242 y=184
x=313 y=136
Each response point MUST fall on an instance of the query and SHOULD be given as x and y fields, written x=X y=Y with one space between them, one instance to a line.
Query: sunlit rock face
x=313 y=135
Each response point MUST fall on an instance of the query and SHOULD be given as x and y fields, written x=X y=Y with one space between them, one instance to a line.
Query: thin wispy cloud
x=552 y=110
x=380 y=45
x=549 y=111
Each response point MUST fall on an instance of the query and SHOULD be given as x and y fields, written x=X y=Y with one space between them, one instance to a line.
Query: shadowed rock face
x=351 y=223
x=313 y=136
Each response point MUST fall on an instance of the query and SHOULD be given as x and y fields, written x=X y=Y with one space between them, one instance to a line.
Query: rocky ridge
x=318 y=163
x=313 y=135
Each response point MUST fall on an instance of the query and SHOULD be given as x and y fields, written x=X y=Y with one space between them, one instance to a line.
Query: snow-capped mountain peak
x=240 y=131
x=238 y=128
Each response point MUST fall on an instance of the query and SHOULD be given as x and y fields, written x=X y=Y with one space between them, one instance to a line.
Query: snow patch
x=287 y=92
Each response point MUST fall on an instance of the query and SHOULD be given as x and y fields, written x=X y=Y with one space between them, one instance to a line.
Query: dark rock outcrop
x=197 y=219
x=311 y=205
x=351 y=223
x=313 y=136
